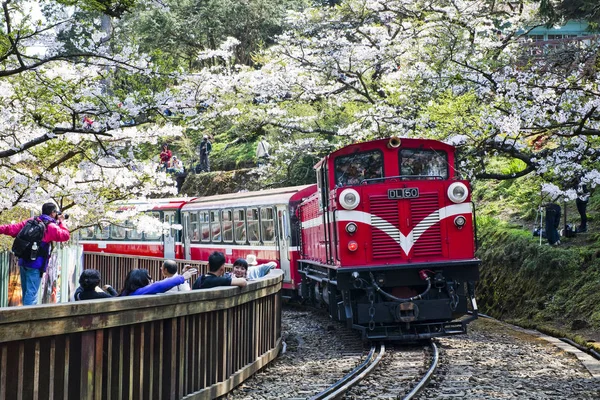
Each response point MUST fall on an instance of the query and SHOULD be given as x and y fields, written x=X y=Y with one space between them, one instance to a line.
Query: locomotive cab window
x=355 y=169
x=423 y=164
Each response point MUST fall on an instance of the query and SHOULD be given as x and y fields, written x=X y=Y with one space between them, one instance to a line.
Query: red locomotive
x=388 y=240
x=385 y=238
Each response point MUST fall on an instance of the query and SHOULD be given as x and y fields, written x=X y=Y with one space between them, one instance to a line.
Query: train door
x=187 y=236
x=283 y=240
x=169 y=235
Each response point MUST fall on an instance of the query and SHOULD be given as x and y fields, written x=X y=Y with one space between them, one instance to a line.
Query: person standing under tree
x=165 y=156
x=583 y=195
x=204 y=149
x=262 y=151
x=552 y=223
x=34 y=266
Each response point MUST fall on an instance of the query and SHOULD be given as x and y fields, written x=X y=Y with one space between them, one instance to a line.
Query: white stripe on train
x=405 y=242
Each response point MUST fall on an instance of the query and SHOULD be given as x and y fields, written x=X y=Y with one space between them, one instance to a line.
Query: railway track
x=384 y=388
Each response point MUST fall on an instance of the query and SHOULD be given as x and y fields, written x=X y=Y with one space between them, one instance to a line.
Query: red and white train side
x=262 y=223
x=388 y=240
x=126 y=239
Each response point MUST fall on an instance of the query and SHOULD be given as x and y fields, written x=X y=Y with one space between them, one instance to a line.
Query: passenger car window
x=227 y=225
x=253 y=228
x=239 y=222
x=267 y=224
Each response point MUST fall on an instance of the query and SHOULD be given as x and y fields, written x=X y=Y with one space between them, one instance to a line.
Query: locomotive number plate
x=406 y=193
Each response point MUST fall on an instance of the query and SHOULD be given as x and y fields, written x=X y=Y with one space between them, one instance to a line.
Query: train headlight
x=351 y=227
x=349 y=199
x=352 y=245
x=460 y=221
x=458 y=192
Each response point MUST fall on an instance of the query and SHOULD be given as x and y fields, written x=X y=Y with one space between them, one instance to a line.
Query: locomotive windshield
x=357 y=168
x=423 y=164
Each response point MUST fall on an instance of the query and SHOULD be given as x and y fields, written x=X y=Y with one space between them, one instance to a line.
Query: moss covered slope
x=549 y=288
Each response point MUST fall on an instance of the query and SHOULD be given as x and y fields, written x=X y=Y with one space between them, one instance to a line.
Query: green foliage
x=523 y=281
x=212 y=183
x=114 y=8
x=556 y=11
x=192 y=26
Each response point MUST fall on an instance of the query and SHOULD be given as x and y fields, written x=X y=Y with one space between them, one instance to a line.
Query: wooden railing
x=197 y=344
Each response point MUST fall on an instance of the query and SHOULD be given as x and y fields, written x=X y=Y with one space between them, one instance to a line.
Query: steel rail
x=353 y=377
x=427 y=377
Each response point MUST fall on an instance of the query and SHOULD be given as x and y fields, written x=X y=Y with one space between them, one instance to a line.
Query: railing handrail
x=83 y=314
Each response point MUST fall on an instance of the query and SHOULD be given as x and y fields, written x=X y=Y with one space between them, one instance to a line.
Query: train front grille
x=384 y=231
x=425 y=217
x=424 y=221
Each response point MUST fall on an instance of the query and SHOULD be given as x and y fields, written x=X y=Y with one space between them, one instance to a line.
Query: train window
x=103 y=233
x=239 y=222
x=194 y=231
x=117 y=232
x=283 y=224
x=204 y=226
x=267 y=224
x=132 y=232
x=252 y=219
x=227 y=224
x=86 y=233
x=215 y=226
x=423 y=164
x=357 y=168
x=153 y=235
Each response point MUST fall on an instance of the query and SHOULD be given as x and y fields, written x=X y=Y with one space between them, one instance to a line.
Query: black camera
x=60 y=213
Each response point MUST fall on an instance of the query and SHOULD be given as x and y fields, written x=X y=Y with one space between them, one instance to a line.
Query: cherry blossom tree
x=460 y=71
x=67 y=132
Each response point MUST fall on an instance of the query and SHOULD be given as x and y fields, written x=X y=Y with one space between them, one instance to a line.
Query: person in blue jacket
x=138 y=282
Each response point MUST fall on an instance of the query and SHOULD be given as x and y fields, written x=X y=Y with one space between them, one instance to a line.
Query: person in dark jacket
x=216 y=274
x=204 y=149
x=583 y=196
x=552 y=223
x=88 y=287
x=32 y=270
x=139 y=282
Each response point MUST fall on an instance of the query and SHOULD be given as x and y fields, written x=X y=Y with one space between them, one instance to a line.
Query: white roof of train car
x=242 y=199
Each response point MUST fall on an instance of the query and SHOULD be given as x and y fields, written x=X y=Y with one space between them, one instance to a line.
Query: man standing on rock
x=204 y=150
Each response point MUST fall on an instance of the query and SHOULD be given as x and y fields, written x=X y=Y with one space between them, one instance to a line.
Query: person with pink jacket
x=32 y=270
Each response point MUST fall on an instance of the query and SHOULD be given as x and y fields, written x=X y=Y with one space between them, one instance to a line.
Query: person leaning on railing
x=88 y=287
x=216 y=274
x=169 y=270
x=139 y=281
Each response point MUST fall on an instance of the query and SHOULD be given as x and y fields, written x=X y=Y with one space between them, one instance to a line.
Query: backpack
x=29 y=239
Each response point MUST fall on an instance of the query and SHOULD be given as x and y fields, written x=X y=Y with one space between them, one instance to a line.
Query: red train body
x=385 y=239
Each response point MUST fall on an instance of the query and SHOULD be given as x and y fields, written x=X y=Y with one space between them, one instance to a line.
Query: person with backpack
x=33 y=239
